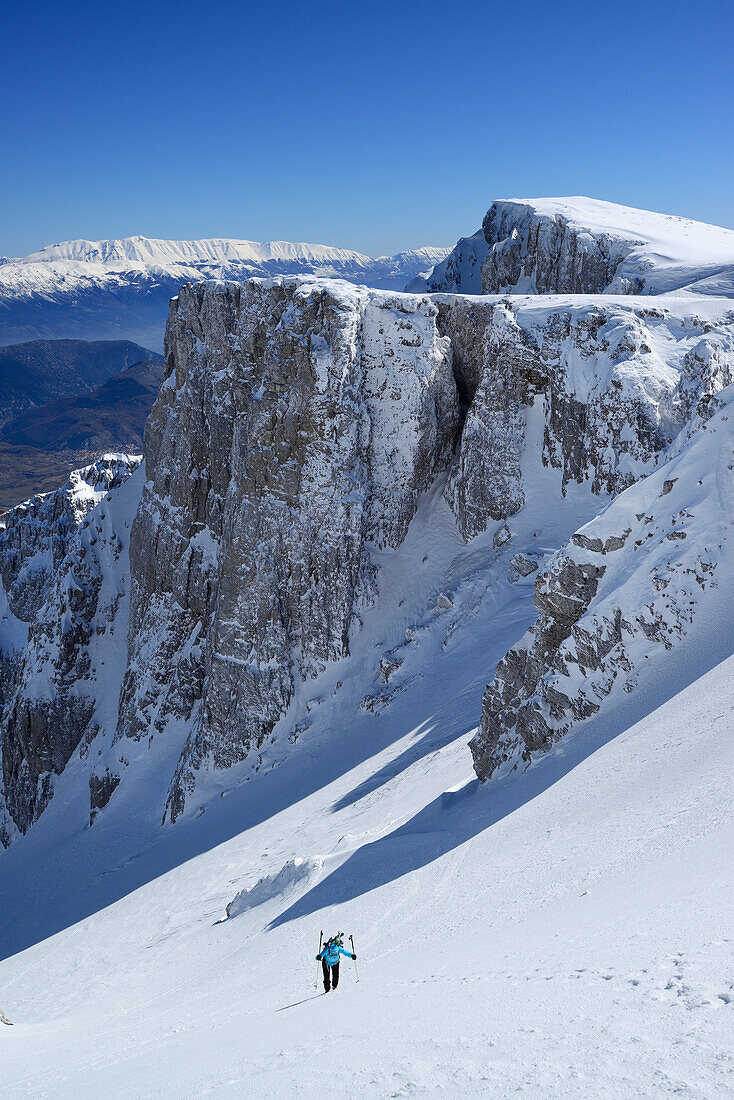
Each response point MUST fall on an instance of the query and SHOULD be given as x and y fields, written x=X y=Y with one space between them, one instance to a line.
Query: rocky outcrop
x=35 y=536
x=515 y=704
x=632 y=584
x=601 y=389
x=299 y=424
x=585 y=246
x=524 y=249
x=66 y=565
x=543 y=254
x=499 y=372
x=522 y=566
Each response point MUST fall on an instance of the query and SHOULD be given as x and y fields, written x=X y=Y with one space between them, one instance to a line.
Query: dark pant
x=334 y=975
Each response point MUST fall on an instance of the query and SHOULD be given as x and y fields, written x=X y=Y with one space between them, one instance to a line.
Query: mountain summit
x=586 y=246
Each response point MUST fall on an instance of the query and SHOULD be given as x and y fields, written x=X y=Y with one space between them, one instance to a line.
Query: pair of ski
x=4 y=1019
x=321 y=940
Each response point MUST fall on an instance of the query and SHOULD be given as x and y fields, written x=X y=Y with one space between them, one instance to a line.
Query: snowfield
x=565 y=935
x=563 y=932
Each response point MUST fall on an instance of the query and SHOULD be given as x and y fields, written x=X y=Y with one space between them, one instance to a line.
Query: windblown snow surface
x=563 y=931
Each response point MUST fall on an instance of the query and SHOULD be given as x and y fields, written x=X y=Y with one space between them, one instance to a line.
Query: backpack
x=334 y=941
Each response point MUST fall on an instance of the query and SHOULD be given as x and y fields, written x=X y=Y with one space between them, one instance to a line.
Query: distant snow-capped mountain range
x=102 y=290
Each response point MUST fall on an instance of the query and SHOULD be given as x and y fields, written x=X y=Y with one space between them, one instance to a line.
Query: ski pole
x=316 y=983
x=356 y=971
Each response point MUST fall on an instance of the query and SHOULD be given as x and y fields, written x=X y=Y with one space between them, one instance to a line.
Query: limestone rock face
x=523 y=248
x=579 y=245
x=298 y=424
x=180 y=614
x=499 y=373
x=515 y=704
x=65 y=563
x=632 y=585
x=527 y=250
x=35 y=536
x=600 y=389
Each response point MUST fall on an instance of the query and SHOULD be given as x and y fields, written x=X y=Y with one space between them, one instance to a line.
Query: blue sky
x=376 y=126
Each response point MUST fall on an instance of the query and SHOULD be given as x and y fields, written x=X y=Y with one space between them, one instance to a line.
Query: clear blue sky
x=377 y=126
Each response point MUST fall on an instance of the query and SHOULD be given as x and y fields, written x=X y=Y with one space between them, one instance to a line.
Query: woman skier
x=329 y=956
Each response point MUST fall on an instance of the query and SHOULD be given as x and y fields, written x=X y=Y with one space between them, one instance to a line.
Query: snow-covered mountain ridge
x=343 y=410
x=586 y=246
x=93 y=289
x=377 y=538
x=163 y=254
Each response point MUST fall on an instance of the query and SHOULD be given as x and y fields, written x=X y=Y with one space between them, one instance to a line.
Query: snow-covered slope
x=650 y=573
x=562 y=935
x=582 y=245
x=107 y=289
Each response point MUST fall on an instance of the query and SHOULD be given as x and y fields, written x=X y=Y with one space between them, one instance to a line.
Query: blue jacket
x=331 y=954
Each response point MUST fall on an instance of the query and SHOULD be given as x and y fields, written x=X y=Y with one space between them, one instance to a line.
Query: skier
x=329 y=957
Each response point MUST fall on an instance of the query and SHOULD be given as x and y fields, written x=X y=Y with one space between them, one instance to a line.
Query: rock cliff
x=609 y=385
x=643 y=577
x=585 y=246
x=64 y=578
x=183 y=612
x=35 y=536
x=298 y=425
